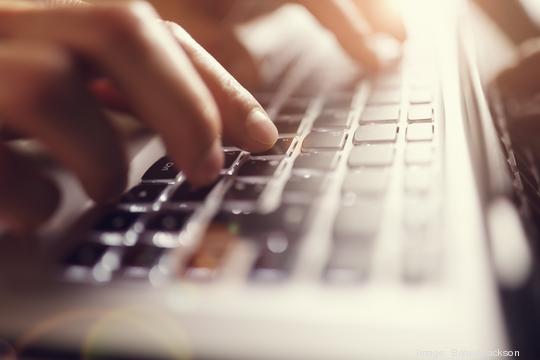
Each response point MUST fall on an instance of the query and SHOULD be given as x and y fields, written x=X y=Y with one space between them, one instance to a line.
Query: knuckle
x=121 y=25
x=35 y=78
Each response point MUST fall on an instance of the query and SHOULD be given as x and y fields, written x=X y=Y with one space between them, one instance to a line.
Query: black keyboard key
x=323 y=161
x=289 y=124
x=142 y=256
x=168 y=221
x=324 y=140
x=385 y=97
x=274 y=260
x=333 y=119
x=163 y=169
x=283 y=146
x=295 y=106
x=116 y=221
x=144 y=194
x=245 y=191
x=86 y=255
x=304 y=185
x=230 y=158
x=259 y=168
x=339 y=101
x=186 y=193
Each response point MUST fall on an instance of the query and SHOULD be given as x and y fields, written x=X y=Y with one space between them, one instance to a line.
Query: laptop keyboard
x=353 y=149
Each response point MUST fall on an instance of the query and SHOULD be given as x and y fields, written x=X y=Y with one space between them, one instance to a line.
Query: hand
x=212 y=22
x=60 y=63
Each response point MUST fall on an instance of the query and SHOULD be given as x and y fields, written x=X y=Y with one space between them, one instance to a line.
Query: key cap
x=215 y=245
x=274 y=260
x=339 y=101
x=245 y=191
x=168 y=221
x=420 y=113
x=163 y=169
x=324 y=140
x=289 y=124
x=419 y=153
x=295 y=106
x=321 y=161
x=283 y=146
x=116 y=221
x=418 y=179
x=230 y=158
x=420 y=132
x=186 y=193
x=259 y=168
x=383 y=97
x=375 y=133
x=388 y=81
x=333 y=119
x=420 y=96
x=86 y=255
x=143 y=194
x=384 y=113
x=142 y=256
x=309 y=184
x=366 y=181
x=347 y=265
x=371 y=155
x=358 y=223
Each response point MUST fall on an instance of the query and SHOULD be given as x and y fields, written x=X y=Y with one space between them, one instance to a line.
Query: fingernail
x=211 y=164
x=260 y=128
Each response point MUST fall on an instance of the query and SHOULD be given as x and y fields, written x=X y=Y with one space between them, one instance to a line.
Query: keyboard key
x=230 y=158
x=163 y=169
x=420 y=113
x=419 y=153
x=187 y=193
x=371 y=155
x=324 y=140
x=333 y=119
x=339 y=101
x=259 y=168
x=168 y=221
x=347 y=264
x=309 y=184
x=142 y=256
x=384 y=97
x=288 y=124
x=375 y=133
x=274 y=260
x=384 y=113
x=283 y=146
x=358 y=223
x=143 y=194
x=420 y=132
x=366 y=181
x=321 y=161
x=417 y=96
x=86 y=255
x=116 y=221
x=295 y=106
x=215 y=245
x=245 y=191
x=418 y=179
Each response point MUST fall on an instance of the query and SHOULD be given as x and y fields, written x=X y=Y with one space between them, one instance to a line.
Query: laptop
x=378 y=227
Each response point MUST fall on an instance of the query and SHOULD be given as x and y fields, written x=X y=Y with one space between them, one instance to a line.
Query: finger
x=522 y=80
x=383 y=17
x=146 y=65
x=245 y=123
x=27 y=197
x=343 y=19
x=41 y=95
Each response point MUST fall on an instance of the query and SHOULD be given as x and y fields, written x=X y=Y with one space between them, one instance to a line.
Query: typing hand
x=211 y=23
x=59 y=63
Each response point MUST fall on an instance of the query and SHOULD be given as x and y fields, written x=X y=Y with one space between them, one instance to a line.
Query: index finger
x=343 y=18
